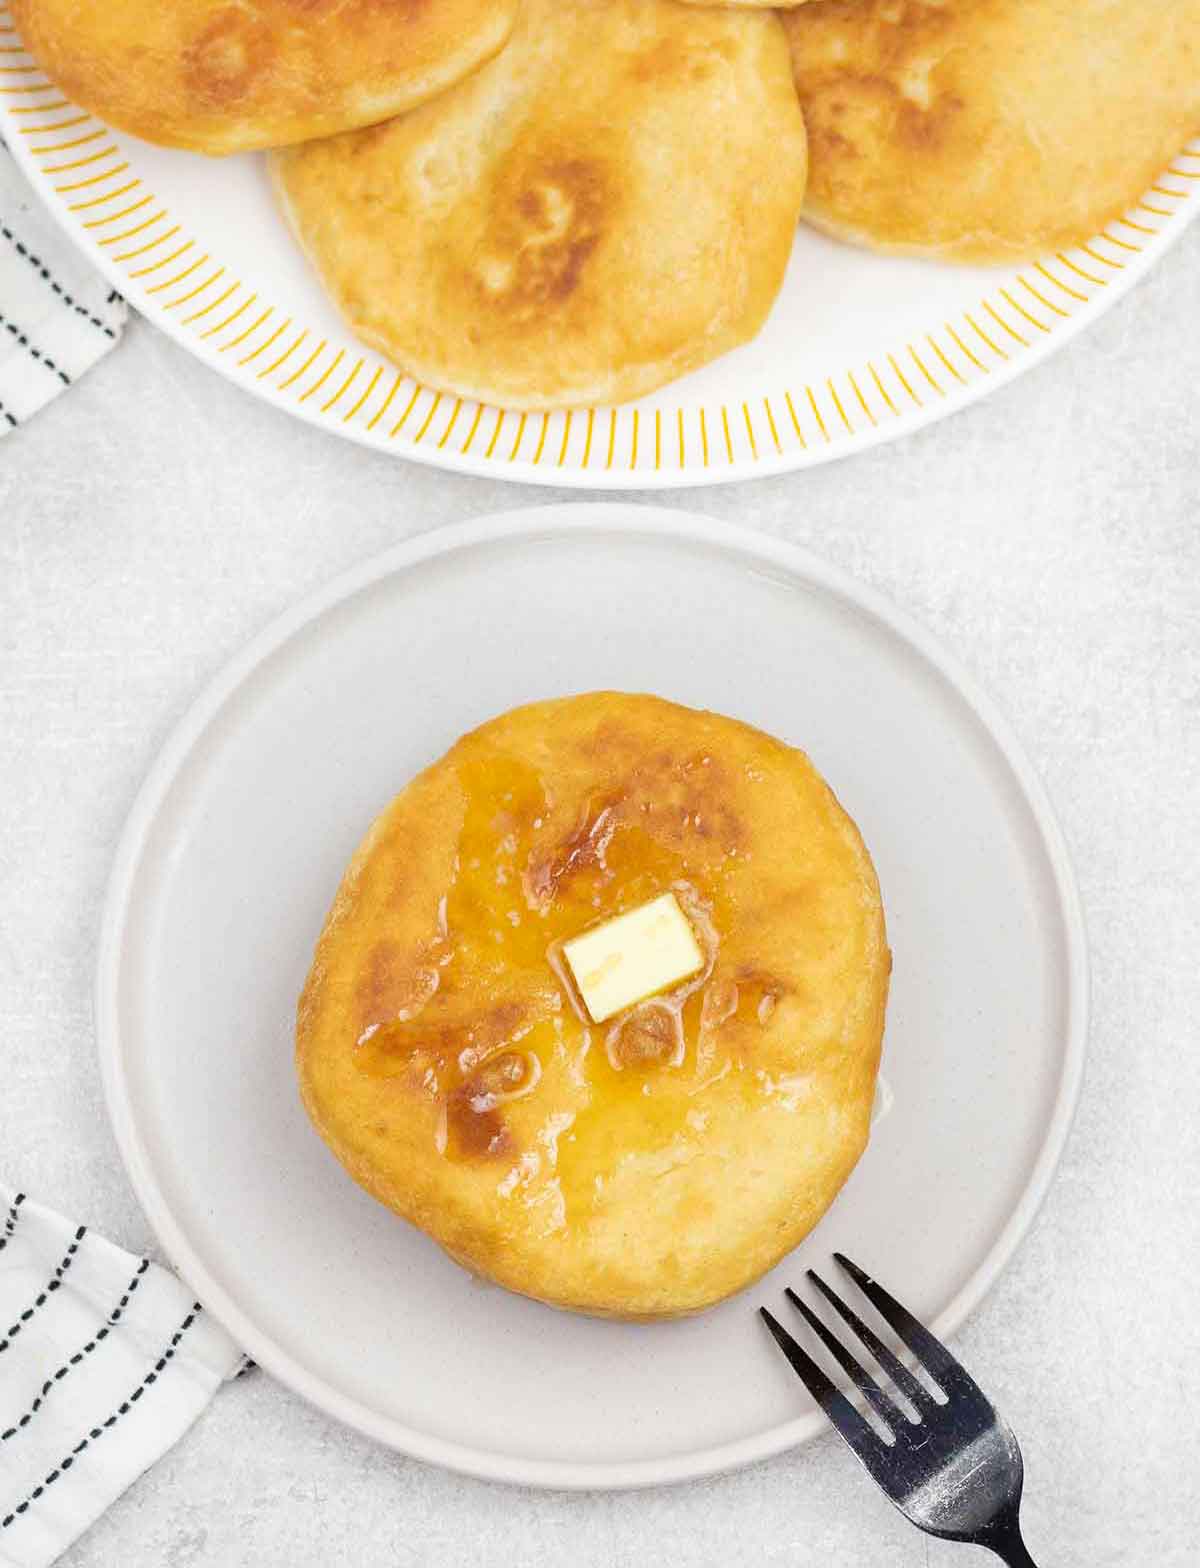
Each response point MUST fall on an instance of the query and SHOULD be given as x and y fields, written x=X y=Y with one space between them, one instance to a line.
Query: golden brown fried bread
x=748 y=5
x=219 y=76
x=651 y=1165
x=607 y=204
x=990 y=129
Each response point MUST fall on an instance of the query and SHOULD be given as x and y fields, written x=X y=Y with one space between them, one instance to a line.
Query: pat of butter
x=633 y=956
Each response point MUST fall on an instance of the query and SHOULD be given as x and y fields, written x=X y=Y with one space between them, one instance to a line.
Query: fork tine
x=891 y=1364
x=857 y=1433
x=930 y=1352
x=866 y=1384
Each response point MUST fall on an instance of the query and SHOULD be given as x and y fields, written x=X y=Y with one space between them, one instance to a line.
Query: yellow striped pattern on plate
x=170 y=275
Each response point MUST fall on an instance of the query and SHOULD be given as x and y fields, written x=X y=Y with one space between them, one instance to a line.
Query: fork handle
x=1012 y=1551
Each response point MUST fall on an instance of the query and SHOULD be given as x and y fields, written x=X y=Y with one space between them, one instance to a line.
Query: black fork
x=952 y=1466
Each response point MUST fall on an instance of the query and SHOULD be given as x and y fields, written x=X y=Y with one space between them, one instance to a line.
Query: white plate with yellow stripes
x=859 y=348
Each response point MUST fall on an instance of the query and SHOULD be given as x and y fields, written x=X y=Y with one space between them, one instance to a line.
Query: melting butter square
x=633 y=956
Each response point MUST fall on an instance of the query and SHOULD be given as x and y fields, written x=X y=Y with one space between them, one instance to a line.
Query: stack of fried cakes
x=542 y=203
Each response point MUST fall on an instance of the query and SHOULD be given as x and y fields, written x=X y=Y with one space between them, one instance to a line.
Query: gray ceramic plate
x=238 y=840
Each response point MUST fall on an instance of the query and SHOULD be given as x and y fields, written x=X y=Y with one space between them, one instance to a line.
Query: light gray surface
x=155 y=518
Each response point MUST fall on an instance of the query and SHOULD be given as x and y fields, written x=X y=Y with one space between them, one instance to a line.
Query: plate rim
x=570 y=519
x=1063 y=326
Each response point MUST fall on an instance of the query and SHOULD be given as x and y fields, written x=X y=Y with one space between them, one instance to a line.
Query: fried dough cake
x=987 y=130
x=220 y=77
x=653 y=1164
x=606 y=205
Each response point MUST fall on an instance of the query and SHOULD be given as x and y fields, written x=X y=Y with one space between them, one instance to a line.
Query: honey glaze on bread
x=651 y=1165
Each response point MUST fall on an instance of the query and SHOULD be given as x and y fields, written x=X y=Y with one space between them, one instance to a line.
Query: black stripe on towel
x=34 y=353
x=101 y=1335
x=52 y=1285
x=40 y=267
x=10 y=1219
x=122 y=1409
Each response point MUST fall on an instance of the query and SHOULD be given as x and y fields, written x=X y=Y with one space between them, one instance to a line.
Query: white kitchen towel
x=57 y=315
x=105 y=1362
